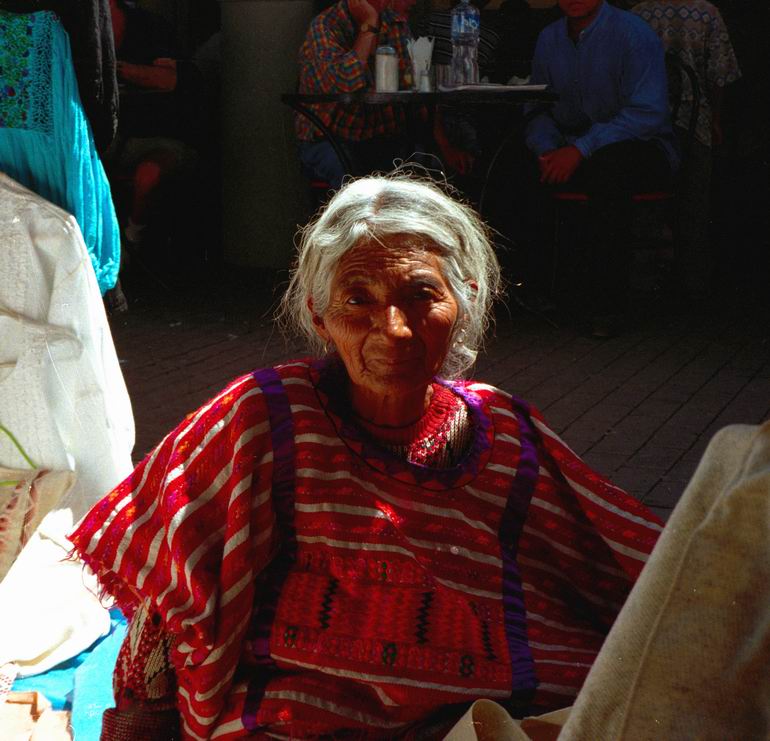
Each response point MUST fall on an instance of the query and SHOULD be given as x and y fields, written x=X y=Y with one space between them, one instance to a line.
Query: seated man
x=609 y=134
x=338 y=57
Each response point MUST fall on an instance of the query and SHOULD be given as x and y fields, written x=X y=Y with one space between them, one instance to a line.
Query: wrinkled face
x=390 y=316
x=579 y=8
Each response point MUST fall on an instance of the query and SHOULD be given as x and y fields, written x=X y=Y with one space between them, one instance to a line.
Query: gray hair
x=375 y=208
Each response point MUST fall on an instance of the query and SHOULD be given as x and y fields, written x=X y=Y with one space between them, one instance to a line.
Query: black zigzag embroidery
x=422 y=617
x=326 y=604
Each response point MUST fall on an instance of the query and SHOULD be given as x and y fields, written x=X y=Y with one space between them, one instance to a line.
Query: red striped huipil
x=318 y=584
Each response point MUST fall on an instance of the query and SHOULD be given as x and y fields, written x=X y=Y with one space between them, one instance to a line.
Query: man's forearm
x=365 y=44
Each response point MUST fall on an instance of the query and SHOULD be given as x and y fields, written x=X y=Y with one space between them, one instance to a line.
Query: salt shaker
x=386 y=70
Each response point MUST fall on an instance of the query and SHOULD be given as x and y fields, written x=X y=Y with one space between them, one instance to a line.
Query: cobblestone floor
x=640 y=408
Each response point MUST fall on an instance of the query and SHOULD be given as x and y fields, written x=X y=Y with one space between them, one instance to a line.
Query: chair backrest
x=682 y=79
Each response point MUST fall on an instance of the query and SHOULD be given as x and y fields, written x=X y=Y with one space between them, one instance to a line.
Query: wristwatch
x=368 y=28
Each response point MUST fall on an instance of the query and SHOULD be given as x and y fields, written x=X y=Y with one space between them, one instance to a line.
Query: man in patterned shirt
x=695 y=31
x=338 y=57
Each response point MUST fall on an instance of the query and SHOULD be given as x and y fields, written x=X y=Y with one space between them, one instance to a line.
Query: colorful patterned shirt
x=318 y=584
x=694 y=29
x=328 y=64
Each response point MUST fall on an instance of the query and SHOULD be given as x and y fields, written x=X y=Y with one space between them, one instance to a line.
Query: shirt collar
x=604 y=10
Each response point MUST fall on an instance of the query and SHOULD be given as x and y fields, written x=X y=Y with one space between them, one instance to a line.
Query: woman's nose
x=395 y=322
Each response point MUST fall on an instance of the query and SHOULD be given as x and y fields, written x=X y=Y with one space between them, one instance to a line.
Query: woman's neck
x=386 y=410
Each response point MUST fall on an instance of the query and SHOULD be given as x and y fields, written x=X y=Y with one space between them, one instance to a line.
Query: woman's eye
x=355 y=300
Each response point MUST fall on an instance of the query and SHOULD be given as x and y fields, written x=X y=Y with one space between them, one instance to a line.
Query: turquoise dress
x=46 y=142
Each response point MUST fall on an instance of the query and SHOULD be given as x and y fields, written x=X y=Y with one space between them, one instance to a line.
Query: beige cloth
x=689 y=654
x=27 y=716
x=24 y=503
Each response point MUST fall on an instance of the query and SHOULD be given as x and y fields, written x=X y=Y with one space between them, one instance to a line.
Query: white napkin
x=421 y=52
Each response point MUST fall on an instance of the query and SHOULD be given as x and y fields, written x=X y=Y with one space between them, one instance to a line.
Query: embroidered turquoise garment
x=46 y=142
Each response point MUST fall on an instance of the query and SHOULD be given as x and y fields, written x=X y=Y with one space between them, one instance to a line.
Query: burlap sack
x=689 y=655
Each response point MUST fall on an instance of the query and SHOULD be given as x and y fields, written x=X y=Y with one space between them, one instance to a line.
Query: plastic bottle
x=466 y=21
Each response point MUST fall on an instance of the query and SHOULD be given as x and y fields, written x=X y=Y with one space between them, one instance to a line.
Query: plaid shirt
x=328 y=64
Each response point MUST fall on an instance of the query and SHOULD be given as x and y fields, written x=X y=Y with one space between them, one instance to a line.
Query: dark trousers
x=610 y=177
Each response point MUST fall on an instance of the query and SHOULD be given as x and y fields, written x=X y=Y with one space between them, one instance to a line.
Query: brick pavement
x=640 y=408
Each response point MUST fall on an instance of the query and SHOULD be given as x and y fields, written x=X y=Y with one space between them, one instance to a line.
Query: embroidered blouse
x=315 y=582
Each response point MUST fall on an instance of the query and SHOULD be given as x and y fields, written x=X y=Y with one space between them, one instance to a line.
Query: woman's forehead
x=399 y=254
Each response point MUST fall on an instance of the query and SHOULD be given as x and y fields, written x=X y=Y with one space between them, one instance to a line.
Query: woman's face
x=390 y=316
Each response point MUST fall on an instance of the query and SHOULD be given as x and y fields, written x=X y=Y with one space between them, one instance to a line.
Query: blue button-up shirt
x=611 y=83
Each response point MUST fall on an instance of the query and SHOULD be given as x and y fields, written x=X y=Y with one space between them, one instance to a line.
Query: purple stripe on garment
x=522 y=663
x=270 y=584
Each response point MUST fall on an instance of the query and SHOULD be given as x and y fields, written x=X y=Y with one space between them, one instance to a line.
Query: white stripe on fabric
x=536 y=617
x=151 y=560
x=153 y=456
x=500 y=468
x=344 y=509
x=478 y=386
x=588 y=494
x=572 y=553
x=486 y=496
x=235 y=540
x=562 y=649
x=236 y=589
x=593 y=598
x=204 y=696
x=215 y=429
x=327 y=440
x=129 y=533
x=504 y=412
x=448 y=513
x=628 y=551
x=186 y=511
x=458 y=551
x=233 y=726
x=404 y=682
x=546 y=430
x=374 y=547
x=123 y=503
x=304 y=408
x=563 y=663
x=468 y=590
x=333 y=707
x=293 y=381
x=506 y=438
x=203 y=720
x=235 y=633
x=190 y=731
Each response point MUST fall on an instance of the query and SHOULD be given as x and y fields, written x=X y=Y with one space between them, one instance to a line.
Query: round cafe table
x=470 y=96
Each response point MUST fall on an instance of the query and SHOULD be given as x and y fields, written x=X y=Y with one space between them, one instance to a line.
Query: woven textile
x=696 y=32
x=316 y=583
x=328 y=64
x=46 y=142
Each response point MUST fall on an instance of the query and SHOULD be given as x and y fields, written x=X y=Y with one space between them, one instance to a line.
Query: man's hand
x=558 y=166
x=363 y=12
x=160 y=75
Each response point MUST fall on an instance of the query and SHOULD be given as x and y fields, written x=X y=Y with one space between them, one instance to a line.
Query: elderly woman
x=360 y=544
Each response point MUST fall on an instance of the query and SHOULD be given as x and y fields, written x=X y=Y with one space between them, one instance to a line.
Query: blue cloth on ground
x=83 y=684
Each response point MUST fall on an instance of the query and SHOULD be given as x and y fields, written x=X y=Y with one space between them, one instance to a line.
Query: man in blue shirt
x=609 y=135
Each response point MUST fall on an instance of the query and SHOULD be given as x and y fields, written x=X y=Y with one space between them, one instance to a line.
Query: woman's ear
x=318 y=322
